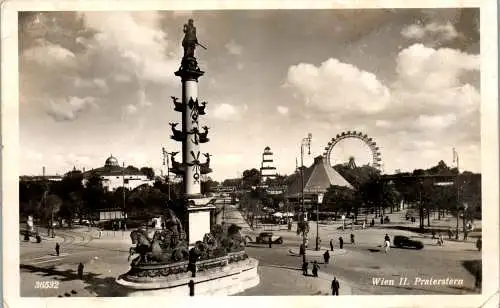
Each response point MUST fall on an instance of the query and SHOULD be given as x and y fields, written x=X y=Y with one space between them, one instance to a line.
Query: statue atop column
x=190 y=40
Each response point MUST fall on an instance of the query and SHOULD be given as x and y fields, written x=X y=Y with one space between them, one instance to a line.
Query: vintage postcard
x=343 y=154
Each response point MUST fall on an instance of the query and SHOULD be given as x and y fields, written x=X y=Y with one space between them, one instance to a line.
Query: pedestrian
x=331 y=244
x=479 y=279
x=387 y=238
x=364 y=225
x=341 y=242
x=58 y=247
x=315 y=269
x=387 y=245
x=270 y=242
x=335 y=286
x=449 y=234
x=479 y=244
x=465 y=235
x=381 y=220
x=326 y=256
x=80 y=271
x=373 y=222
x=305 y=266
x=352 y=239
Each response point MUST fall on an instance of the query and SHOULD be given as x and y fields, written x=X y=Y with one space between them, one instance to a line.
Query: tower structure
x=191 y=135
x=267 y=169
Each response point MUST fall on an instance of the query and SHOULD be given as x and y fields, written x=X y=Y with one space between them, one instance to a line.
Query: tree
x=146 y=201
x=51 y=207
x=132 y=168
x=30 y=194
x=149 y=172
x=340 y=198
x=209 y=186
x=94 y=195
x=251 y=178
x=70 y=190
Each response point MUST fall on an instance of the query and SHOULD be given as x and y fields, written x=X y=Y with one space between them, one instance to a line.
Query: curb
x=319 y=253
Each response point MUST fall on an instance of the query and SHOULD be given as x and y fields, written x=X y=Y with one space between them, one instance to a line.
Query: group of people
x=80 y=266
x=335 y=286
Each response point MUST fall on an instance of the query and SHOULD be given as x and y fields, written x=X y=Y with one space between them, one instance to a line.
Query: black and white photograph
x=251 y=151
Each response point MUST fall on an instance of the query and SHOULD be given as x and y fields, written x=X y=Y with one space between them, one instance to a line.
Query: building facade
x=113 y=176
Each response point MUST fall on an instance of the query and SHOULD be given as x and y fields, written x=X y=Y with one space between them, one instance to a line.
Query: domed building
x=113 y=176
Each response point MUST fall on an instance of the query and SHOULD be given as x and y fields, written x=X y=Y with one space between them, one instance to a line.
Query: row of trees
x=70 y=198
x=419 y=189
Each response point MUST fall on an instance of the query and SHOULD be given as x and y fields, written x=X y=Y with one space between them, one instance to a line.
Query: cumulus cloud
x=436 y=121
x=338 y=87
x=142 y=50
x=383 y=123
x=282 y=110
x=424 y=68
x=428 y=99
x=225 y=112
x=49 y=55
x=433 y=31
x=68 y=109
x=233 y=48
x=131 y=109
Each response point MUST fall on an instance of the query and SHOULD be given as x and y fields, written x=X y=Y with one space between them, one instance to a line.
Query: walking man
x=80 y=271
x=57 y=249
x=326 y=256
x=331 y=244
x=335 y=286
x=315 y=268
x=341 y=242
x=449 y=234
x=479 y=244
x=479 y=279
x=270 y=242
x=387 y=246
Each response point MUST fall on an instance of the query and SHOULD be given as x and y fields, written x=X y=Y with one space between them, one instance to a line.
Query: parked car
x=405 y=242
x=264 y=238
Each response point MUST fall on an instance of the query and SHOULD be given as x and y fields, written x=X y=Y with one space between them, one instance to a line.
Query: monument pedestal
x=229 y=279
x=199 y=213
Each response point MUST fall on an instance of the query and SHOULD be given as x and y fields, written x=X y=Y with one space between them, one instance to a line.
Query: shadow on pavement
x=472 y=266
x=282 y=266
x=106 y=286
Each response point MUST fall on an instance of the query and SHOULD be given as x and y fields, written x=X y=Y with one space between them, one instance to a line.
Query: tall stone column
x=189 y=73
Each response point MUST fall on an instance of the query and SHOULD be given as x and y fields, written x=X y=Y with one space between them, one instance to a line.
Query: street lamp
x=305 y=142
x=456 y=159
x=165 y=158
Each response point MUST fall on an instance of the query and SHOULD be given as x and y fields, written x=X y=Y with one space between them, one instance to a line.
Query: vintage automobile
x=263 y=238
x=405 y=242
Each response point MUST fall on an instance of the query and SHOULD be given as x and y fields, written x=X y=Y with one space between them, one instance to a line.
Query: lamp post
x=320 y=200
x=124 y=203
x=456 y=159
x=305 y=142
x=165 y=158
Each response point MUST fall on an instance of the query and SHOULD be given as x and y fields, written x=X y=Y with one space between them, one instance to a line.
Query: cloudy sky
x=99 y=83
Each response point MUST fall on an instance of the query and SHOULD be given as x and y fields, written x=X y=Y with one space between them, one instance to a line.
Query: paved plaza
x=355 y=266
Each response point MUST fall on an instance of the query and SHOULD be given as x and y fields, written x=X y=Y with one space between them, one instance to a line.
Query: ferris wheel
x=370 y=143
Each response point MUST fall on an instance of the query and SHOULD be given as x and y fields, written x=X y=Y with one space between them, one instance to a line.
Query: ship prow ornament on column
x=213 y=256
